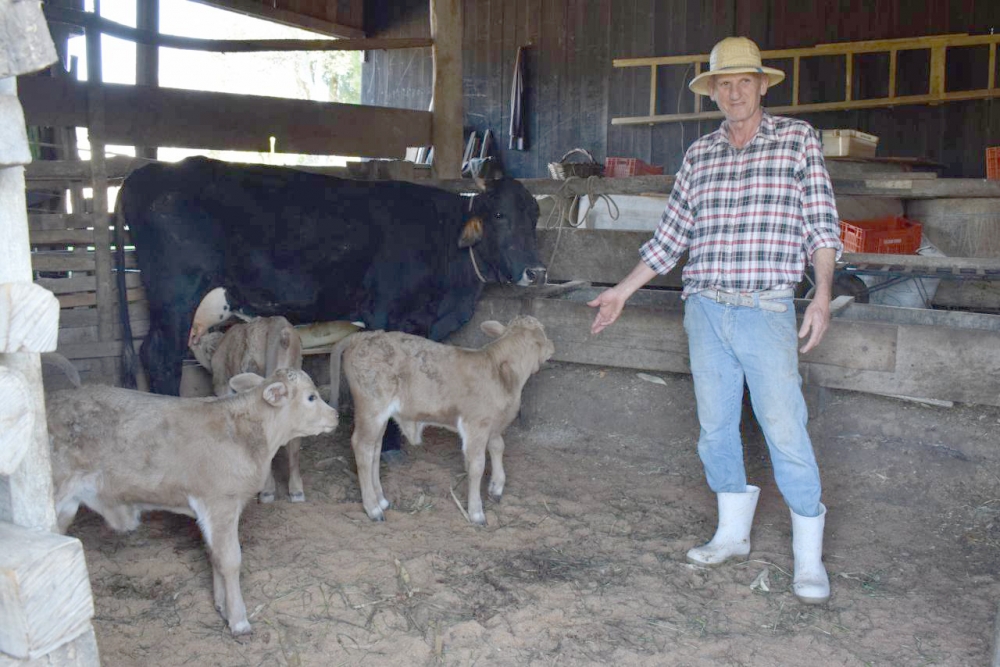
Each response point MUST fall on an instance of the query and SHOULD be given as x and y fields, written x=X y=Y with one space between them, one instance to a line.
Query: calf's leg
x=266 y=494
x=296 y=492
x=219 y=525
x=366 y=443
x=497 y=475
x=475 y=462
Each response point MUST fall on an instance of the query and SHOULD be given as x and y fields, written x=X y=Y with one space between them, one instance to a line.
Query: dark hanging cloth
x=518 y=141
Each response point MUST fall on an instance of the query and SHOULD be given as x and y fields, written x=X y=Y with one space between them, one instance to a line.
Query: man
x=752 y=204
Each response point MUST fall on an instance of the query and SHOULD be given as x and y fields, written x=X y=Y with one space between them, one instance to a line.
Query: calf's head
x=528 y=333
x=298 y=409
x=502 y=230
x=213 y=309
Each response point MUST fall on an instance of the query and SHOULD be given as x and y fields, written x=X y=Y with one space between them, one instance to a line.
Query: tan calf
x=121 y=452
x=262 y=346
x=417 y=382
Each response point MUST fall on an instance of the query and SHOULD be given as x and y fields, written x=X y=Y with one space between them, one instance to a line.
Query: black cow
x=395 y=255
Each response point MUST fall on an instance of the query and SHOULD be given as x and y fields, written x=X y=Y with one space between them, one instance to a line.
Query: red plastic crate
x=629 y=166
x=993 y=163
x=892 y=235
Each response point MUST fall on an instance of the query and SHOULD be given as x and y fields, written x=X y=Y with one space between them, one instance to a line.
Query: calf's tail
x=335 y=357
x=63 y=364
x=129 y=361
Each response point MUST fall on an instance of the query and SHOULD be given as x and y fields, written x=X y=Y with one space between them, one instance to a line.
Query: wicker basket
x=562 y=170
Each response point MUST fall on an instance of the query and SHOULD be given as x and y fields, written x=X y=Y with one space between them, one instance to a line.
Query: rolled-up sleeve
x=672 y=236
x=819 y=207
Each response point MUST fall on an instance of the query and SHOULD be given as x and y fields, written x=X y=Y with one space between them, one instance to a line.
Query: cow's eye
x=312 y=397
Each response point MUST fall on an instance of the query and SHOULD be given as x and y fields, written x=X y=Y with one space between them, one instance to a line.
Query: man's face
x=738 y=95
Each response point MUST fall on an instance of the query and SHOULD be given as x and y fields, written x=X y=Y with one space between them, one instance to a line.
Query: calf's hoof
x=299 y=497
x=478 y=518
x=384 y=504
x=376 y=514
x=265 y=498
x=240 y=629
x=496 y=497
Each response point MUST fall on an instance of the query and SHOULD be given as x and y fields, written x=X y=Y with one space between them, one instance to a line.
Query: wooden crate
x=849 y=143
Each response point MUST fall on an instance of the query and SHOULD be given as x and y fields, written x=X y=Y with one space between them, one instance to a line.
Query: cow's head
x=214 y=309
x=501 y=227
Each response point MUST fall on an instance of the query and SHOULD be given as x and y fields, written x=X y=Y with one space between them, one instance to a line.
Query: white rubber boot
x=732 y=537
x=811 y=583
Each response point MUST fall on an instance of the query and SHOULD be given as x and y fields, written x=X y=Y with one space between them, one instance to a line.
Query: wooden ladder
x=937 y=92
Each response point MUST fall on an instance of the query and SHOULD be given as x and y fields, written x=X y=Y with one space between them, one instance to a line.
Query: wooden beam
x=926 y=354
x=60 y=172
x=271 y=12
x=113 y=29
x=447 y=125
x=71 y=261
x=144 y=116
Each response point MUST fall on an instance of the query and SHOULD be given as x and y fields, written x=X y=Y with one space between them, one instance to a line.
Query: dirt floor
x=583 y=561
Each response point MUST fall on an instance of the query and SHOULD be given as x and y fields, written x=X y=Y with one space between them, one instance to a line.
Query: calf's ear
x=276 y=393
x=244 y=381
x=492 y=328
x=471 y=232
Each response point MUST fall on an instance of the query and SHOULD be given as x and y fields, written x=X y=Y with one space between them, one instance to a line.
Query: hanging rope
x=565 y=202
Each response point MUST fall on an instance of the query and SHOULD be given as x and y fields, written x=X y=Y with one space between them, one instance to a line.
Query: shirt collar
x=765 y=132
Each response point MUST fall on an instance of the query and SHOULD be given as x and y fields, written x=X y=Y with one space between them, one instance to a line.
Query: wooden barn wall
x=573 y=92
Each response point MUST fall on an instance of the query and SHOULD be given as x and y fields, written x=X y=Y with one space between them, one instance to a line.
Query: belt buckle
x=728 y=298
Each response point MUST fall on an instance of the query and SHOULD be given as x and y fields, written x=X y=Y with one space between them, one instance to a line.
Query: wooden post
x=147 y=57
x=107 y=328
x=449 y=116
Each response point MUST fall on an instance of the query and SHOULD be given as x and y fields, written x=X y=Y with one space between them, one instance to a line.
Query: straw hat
x=734 y=55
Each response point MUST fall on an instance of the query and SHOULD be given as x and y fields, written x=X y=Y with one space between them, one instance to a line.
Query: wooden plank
x=924 y=262
x=81 y=283
x=942 y=363
x=145 y=116
x=71 y=261
x=96 y=350
x=352 y=39
x=271 y=12
x=40 y=172
x=41 y=225
x=91 y=299
x=87 y=317
x=932 y=355
x=63 y=237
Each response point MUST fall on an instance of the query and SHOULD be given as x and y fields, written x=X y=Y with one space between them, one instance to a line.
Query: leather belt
x=762 y=300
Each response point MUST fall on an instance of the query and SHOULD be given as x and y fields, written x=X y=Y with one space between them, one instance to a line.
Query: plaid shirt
x=749 y=217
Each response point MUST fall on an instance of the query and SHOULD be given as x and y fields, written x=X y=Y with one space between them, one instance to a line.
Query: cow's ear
x=244 y=381
x=276 y=393
x=472 y=232
x=492 y=328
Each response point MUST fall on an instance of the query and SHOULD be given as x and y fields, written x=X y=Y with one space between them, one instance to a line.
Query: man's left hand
x=815 y=322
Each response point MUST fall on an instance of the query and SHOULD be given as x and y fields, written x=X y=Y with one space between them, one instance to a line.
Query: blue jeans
x=727 y=345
